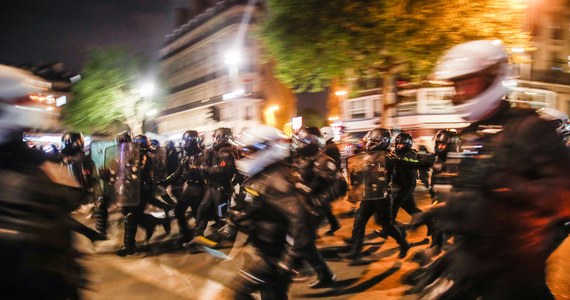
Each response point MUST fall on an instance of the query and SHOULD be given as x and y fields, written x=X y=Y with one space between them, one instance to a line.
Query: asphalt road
x=162 y=271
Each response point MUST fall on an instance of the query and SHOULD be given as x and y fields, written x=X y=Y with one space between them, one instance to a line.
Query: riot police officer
x=219 y=171
x=321 y=183
x=75 y=160
x=38 y=257
x=106 y=197
x=444 y=170
x=331 y=149
x=373 y=183
x=274 y=210
x=134 y=215
x=511 y=194
x=189 y=171
x=405 y=175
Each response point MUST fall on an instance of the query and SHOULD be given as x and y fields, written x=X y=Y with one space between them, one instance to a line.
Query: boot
x=187 y=237
x=149 y=229
x=129 y=238
x=400 y=237
x=354 y=251
x=381 y=233
x=166 y=225
x=325 y=278
x=334 y=228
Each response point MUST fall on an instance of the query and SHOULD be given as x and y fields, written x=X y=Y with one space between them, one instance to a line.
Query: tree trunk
x=388 y=97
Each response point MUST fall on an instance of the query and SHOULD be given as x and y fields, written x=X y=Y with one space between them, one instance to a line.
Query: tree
x=311 y=117
x=316 y=41
x=106 y=98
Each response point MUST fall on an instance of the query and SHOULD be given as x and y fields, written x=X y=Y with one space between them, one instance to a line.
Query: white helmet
x=16 y=108
x=261 y=146
x=551 y=114
x=328 y=133
x=488 y=58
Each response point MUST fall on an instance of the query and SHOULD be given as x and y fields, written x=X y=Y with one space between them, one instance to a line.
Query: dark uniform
x=374 y=178
x=506 y=209
x=275 y=213
x=189 y=171
x=219 y=170
x=135 y=216
x=82 y=167
x=444 y=170
x=405 y=176
x=38 y=258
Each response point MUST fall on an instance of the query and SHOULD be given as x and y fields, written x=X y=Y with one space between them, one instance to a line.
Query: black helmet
x=143 y=141
x=445 y=140
x=306 y=142
x=191 y=142
x=72 y=143
x=170 y=145
x=403 y=143
x=124 y=137
x=377 y=139
x=154 y=143
x=221 y=137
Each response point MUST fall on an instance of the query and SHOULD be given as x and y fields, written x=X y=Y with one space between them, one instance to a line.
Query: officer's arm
x=177 y=173
x=410 y=161
x=543 y=165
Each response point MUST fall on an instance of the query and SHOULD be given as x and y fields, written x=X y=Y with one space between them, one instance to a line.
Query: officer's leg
x=180 y=212
x=363 y=214
x=130 y=217
x=384 y=212
x=333 y=221
x=162 y=205
x=325 y=276
x=409 y=204
x=103 y=214
x=86 y=231
x=204 y=211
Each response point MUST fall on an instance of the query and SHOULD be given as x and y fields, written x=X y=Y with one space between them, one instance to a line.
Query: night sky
x=63 y=30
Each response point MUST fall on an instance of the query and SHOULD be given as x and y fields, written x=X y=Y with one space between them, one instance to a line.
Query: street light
x=232 y=58
x=147 y=89
x=340 y=93
x=151 y=112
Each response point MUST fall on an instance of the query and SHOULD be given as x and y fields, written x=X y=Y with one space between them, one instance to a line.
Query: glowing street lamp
x=147 y=89
x=340 y=93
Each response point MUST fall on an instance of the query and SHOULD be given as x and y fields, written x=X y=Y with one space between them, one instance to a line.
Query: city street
x=163 y=272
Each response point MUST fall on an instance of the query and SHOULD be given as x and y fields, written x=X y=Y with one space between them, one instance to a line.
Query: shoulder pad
x=59 y=175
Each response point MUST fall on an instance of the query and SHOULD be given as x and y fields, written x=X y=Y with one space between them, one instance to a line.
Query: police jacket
x=276 y=209
x=219 y=166
x=82 y=168
x=332 y=151
x=188 y=169
x=35 y=227
x=320 y=177
x=406 y=169
x=444 y=171
x=510 y=197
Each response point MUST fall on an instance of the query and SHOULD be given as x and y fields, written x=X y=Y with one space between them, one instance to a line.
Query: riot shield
x=159 y=159
x=97 y=152
x=122 y=162
x=159 y=168
x=367 y=177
